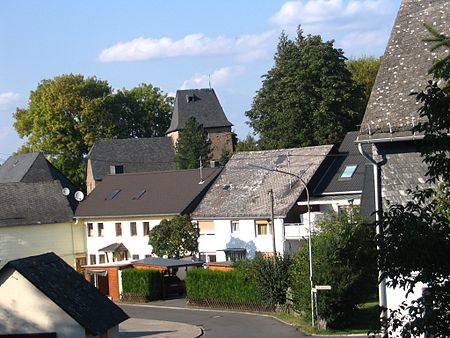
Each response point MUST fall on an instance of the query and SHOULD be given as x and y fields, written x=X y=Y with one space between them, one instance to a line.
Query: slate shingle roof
x=201 y=104
x=164 y=193
x=404 y=69
x=241 y=191
x=136 y=155
x=70 y=291
x=33 y=203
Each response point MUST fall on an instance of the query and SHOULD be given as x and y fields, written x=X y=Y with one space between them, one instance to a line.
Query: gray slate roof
x=33 y=203
x=332 y=183
x=166 y=193
x=70 y=291
x=136 y=155
x=241 y=191
x=201 y=104
x=167 y=262
x=404 y=69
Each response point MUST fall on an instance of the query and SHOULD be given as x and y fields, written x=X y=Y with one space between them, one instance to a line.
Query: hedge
x=221 y=285
x=142 y=282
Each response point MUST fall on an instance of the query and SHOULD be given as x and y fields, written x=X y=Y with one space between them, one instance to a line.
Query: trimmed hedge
x=142 y=282
x=221 y=285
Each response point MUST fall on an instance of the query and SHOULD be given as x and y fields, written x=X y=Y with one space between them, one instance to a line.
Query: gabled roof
x=70 y=291
x=16 y=167
x=135 y=154
x=404 y=69
x=333 y=182
x=241 y=191
x=33 y=203
x=201 y=104
x=155 y=193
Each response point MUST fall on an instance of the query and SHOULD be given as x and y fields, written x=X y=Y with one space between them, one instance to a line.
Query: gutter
x=379 y=229
x=388 y=139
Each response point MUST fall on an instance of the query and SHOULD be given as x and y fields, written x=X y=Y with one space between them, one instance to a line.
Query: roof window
x=139 y=194
x=349 y=171
x=112 y=194
x=191 y=98
x=116 y=169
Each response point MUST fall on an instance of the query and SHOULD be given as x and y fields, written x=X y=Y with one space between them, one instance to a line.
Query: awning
x=115 y=247
x=103 y=273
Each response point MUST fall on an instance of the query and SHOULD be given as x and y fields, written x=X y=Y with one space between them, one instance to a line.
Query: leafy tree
x=175 y=238
x=345 y=258
x=224 y=157
x=364 y=72
x=416 y=242
x=248 y=144
x=192 y=145
x=307 y=98
x=68 y=113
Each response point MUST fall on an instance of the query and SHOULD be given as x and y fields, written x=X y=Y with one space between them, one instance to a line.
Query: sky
x=171 y=44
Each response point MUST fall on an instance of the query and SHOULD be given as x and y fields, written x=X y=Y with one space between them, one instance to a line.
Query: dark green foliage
x=271 y=275
x=345 y=258
x=192 y=145
x=248 y=144
x=142 y=282
x=174 y=238
x=231 y=285
x=416 y=242
x=307 y=98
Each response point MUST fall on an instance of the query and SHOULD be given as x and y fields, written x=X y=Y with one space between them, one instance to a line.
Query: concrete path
x=135 y=327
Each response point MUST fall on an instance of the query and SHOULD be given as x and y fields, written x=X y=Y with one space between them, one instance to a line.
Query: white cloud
x=246 y=47
x=364 y=43
x=8 y=100
x=218 y=77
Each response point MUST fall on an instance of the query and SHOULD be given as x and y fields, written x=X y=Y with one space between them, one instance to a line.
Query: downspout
x=379 y=229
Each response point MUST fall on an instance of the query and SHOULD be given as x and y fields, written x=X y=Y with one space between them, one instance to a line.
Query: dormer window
x=348 y=171
x=116 y=169
x=190 y=98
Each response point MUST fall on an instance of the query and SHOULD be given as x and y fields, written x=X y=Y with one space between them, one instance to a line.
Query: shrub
x=142 y=282
x=221 y=285
x=345 y=258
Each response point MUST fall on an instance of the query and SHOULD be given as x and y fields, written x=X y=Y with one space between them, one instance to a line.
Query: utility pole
x=272 y=221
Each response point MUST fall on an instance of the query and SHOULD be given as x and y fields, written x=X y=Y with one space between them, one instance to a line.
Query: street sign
x=321 y=288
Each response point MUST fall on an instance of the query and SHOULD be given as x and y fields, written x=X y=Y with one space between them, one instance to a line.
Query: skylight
x=349 y=171
x=112 y=194
x=139 y=194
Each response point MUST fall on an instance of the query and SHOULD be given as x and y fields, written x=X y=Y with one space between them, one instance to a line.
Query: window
x=118 y=229
x=116 y=169
x=146 y=226
x=206 y=227
x=263 y=227
x=133 y=230
x=234 y=226
x=92 y=259
x=101 y=258
x=235 y=254
x=212 y=258
x=135 y=257
x=112 y=194
x=100 y=229
x=90 y=229
x=348 y=171
x=148 y=256
x=138 y=195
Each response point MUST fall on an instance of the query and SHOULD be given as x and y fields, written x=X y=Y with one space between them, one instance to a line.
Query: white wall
x=65 y=239
x=25 y=309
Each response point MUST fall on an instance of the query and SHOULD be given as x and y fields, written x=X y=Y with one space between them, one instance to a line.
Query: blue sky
x=172 y=44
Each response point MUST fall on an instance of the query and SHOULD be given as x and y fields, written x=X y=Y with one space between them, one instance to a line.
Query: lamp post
x=308 y=203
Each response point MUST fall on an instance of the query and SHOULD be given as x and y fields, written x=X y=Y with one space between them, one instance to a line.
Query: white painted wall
x=25 y=309
x=67 y=240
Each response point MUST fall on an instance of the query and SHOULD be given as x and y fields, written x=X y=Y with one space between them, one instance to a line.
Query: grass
x=365 y=319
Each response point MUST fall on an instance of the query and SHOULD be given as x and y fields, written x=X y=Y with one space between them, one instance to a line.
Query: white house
x=119 y=213
x=43 y=295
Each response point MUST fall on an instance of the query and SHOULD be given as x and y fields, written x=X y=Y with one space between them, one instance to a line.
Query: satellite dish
x=79 y=196
x=66 y=191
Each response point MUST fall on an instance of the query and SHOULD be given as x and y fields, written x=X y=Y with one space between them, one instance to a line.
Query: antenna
x=201 y=171
x=209 y=81
x=79 y=196
x=289 y=170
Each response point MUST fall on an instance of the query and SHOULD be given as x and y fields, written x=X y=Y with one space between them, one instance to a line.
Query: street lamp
x=308 y=200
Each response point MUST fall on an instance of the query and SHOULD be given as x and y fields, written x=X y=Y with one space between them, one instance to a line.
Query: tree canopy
x=174 y=238
x=192 y=145
x=416 y=242
x=307 y=98
x=68 y=113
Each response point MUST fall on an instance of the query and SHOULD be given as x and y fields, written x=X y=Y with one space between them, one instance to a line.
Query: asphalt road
x=218 y=324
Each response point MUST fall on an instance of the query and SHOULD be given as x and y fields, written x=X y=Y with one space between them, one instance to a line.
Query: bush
x=142 y=282
x=345 y=258
x=221 y=285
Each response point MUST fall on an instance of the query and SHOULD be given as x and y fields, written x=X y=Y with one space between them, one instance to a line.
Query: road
x=218 y=324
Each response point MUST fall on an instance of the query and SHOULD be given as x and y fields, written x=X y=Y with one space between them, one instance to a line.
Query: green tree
x=345 y=258
x=192 y=145
x=247 y=144
x=68 y=113
x=416 y=242
x=364 y=72
x=174 y=238
x=307 y=98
